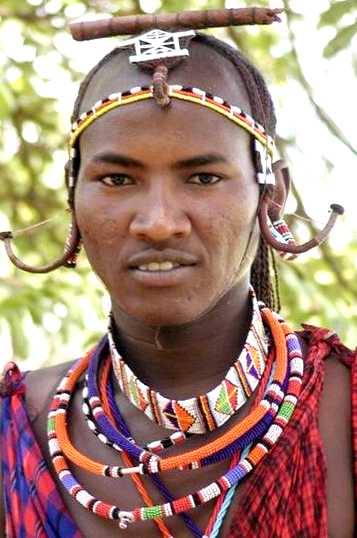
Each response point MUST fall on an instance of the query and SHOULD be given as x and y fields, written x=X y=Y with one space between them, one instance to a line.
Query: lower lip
x=163 y=278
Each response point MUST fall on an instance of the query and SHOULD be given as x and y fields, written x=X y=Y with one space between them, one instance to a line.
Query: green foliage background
x=45 y=318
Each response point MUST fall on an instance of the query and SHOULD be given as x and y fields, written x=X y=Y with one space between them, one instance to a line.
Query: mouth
x=165 y=268
x=166 y=260
x=156 y=266
x=170 y=277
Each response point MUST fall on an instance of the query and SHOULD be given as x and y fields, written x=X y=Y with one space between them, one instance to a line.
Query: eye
x=204 y=179
x=116 y=180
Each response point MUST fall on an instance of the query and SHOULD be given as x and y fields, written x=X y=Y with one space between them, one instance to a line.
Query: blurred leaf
x=333 y=15
x=7 y=101
x=341 y=41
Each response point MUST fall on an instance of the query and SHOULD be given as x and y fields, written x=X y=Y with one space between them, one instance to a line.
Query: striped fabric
x=33 y=505
x=284 y=498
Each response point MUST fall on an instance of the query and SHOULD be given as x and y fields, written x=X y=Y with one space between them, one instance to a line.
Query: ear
x=281 y=190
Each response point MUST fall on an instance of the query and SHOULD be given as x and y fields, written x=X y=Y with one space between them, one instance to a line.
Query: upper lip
x=170 y=255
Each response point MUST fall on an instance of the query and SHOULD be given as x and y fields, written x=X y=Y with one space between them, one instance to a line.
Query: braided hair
x=262 y=110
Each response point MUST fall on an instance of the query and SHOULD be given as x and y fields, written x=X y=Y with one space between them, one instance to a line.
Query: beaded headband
x=263 y=144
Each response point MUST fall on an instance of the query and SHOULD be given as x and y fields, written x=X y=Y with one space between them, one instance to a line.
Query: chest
x=124 y=493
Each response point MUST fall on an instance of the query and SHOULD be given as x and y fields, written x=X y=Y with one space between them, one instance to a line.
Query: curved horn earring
x=292 y=248
x=71 y=250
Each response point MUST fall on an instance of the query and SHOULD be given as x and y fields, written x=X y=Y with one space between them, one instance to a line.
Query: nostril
x=162 y=228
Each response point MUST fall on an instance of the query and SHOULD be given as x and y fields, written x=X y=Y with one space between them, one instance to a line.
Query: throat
x=157 y=339
x=186 y=360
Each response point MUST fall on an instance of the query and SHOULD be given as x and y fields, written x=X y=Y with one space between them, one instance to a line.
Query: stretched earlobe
x=281 y=190
x=278 y=226
x=68 y=259
x=291 y=247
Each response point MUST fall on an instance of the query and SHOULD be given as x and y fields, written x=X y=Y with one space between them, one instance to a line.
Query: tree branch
x=321 y=113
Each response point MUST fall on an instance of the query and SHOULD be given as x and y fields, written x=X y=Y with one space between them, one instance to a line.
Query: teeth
x=158 y=266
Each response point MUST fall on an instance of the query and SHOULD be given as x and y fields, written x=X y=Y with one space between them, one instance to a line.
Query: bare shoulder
x=40 y=386
x=335 y=424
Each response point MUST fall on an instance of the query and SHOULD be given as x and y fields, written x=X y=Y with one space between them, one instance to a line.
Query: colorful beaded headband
x=264 y=144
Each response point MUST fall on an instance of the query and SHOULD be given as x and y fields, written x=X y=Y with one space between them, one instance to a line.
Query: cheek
x=232 y=226
x=99 y=227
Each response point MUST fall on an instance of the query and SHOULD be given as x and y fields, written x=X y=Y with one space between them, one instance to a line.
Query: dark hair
x=262 y=110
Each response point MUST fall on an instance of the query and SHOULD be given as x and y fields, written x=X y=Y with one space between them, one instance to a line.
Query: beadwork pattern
x=106 y=394
x=156 y=447
x=116 y=418
x=223 y=447
x=105 y=380
x=114 y=437
x=282 y=232
x=261 y=447
x=205 y=412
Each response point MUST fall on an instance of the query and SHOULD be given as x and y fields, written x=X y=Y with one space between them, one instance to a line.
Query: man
x=166 y=203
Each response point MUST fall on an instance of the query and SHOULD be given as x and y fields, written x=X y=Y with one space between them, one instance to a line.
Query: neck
x=186 y=360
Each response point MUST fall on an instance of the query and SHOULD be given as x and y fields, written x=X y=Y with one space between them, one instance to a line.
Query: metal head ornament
x=159 y=51
x=156 y=45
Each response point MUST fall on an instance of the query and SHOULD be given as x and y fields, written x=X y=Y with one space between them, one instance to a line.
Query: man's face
x=166 y=202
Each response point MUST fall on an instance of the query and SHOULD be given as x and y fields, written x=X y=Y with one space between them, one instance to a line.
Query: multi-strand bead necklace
x=254 y=436
x=113 y=412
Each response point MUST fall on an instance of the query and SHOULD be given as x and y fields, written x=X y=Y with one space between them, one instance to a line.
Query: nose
x=160 y=217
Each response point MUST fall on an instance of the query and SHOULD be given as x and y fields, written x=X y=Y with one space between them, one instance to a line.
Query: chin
x=168 y=315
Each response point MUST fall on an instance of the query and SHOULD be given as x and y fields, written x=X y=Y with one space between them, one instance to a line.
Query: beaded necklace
x=89 y=412
x=60 y=446
x=115 y=438
x=116 y=418
x=112 y=411
x=222 y=503
x=221 y=448
x=205 y=412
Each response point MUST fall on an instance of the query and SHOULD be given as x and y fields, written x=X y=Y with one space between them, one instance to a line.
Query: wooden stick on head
x=135 y=24
x=158 y=49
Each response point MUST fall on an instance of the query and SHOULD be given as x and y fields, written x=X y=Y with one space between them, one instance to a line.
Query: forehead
x=143 y=129
x=205 y=68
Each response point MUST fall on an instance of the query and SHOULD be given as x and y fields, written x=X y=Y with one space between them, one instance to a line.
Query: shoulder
x=40 y=386
x=325 y=351
x=335 y=410
x=37 y=386
x=335 y=425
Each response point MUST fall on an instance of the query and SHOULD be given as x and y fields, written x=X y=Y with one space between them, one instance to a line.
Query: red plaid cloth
x=33 y=506
x=284 y=497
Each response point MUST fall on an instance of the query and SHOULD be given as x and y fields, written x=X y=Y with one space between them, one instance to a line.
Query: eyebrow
x=117 y=158
x=191 y=162
x=200 y=160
